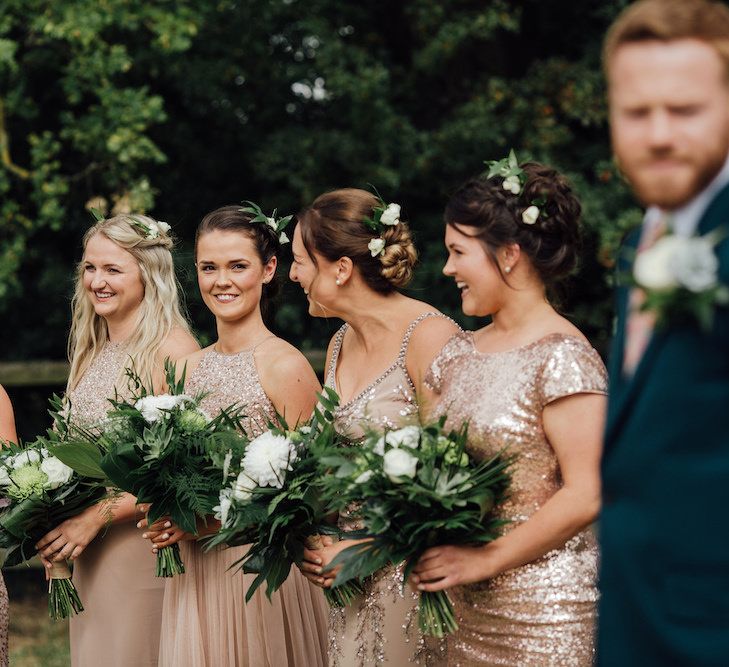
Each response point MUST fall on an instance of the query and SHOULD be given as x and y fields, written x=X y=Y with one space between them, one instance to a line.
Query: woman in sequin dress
x=528 y=383
x=376 y=363
x=206 y=621
x=7 y=434
x=125 y=308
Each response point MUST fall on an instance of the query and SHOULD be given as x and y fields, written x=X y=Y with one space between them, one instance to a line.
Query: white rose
x=163 y=227
x=376 y=246
x=652 y=268
x=242 y=487
x=267 y=458
x=151 y=406
x=379 y=447
x=530 y=215
x=361 y=479
x=391 y=215
x=399 y=463
x=223 y=507
x=24 y=458
x=695 y=265
x=58 y=472
x=512 y=184
x=409 y=436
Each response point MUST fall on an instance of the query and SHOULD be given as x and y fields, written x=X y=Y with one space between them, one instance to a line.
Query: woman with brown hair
x=531 y=385
x=352 y=254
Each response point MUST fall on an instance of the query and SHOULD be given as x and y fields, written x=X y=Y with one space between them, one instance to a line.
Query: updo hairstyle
x=333 y=226
x=552 y=243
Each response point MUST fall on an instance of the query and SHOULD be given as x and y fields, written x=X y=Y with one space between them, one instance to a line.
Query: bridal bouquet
x=164 y=450
x=415 y=488
x=37 y=492
x=270 y=500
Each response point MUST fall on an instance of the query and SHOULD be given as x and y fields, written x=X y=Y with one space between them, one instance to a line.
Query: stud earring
x=507 y=269
x=337 y=282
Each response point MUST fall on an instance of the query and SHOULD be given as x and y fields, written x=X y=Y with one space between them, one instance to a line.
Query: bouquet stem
x=63 y=599
x=436 y=617
x=169 y=562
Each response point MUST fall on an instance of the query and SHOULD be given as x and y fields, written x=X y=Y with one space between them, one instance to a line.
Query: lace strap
x=411 y=329
x=338 y=338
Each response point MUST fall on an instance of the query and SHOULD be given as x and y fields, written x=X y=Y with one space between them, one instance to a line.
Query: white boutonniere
x=680 y=278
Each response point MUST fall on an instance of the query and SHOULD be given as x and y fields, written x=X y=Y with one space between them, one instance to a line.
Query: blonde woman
x=7 y=433
x=125 y=310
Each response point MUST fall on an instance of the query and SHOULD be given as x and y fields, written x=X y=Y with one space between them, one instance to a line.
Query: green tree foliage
x=179 y=107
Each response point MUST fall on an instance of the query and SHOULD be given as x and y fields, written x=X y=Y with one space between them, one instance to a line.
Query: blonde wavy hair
x=158 y=314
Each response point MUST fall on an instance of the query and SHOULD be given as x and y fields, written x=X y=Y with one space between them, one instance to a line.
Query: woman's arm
x=7 y=418
x=573 y=425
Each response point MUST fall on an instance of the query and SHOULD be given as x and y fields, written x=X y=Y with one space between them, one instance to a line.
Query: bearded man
x=664 y=526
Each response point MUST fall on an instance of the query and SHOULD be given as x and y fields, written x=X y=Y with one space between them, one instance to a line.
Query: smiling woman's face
x=317 y=280
x=230 y=274
x=111 y=278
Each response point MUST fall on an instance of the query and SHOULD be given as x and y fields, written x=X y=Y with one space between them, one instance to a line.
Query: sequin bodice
x=232 y=378
x=90 y=397
x=502 y=396
x=389 y=402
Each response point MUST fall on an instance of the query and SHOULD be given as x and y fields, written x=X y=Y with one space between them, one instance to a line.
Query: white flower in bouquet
x=399 y=463
x=695 y=265
x=58 y=473
x=379 y=446
x=363 y=477
x=267 y=458
x=408 y=436
x=4 y=476
x=653 y=266
x=242 y=490
x=151 y=407
x=25 y=458
x=223 y=508
x=391 y=215
x=226 y=464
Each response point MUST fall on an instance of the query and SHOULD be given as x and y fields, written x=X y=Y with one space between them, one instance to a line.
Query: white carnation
x=399 y=463
x=376 y=246
x=391 y=215
x=58 y=472
x=409 y=436
x=695 y=265
x=267 y=458
x=151 y=407
x=653 y=266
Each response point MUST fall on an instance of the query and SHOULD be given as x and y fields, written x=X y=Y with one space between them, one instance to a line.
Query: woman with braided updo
x=531 y=385
x=352 y=253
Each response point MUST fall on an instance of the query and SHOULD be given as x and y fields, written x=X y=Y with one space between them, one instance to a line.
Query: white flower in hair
x=391 y=215
x=271 y=222
x=376 y=247
x=512 y=184
x=530 y=215
x=163 y=226
x=282 y=238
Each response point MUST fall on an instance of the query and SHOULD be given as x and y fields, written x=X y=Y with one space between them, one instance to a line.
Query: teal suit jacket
x=664 y=527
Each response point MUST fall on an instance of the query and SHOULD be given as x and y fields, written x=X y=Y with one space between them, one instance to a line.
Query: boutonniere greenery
x=680 y=278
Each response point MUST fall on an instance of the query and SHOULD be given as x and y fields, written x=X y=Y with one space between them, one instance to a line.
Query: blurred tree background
x=176 y=107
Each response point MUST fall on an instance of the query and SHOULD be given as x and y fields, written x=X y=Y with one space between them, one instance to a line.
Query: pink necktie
x=640 y=323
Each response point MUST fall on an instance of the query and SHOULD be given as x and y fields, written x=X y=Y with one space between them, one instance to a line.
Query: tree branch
x=5 y=148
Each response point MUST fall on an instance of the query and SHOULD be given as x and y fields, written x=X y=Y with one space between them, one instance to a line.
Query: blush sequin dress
x=206 y=621
x=380 y=627
x=541 y=614
x=114 y=576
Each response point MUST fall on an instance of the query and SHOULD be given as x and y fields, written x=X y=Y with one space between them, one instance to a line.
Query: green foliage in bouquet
x=37 y=493
x=272 y=501
x=415 y=488
x=164 y=450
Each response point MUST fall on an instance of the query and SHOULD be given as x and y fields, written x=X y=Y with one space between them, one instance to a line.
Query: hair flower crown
x=276 y=224
x=383 y=216
x=150 y=230
x=514 y=181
